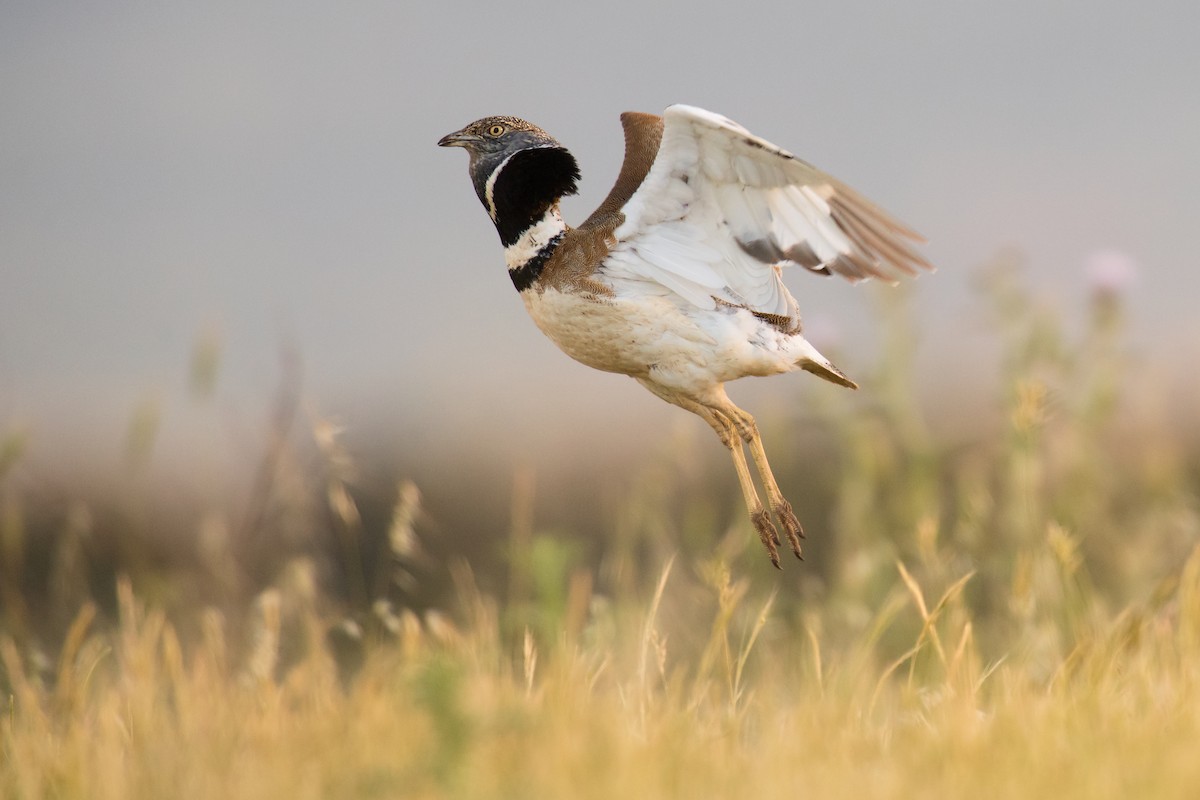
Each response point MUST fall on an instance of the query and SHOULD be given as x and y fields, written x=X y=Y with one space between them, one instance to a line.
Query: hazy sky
x=267 y=173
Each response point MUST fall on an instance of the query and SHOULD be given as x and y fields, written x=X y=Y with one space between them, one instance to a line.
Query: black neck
x=527 y=186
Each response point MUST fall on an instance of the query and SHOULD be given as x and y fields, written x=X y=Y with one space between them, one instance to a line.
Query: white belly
x=655 y=338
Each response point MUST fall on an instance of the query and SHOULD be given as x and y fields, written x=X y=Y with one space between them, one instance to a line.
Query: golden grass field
x=1015 y=616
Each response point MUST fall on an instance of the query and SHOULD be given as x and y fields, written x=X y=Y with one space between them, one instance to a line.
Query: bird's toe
x=767 y=533
x=791 y=526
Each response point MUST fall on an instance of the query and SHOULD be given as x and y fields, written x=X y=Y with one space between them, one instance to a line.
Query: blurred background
x=223 y=223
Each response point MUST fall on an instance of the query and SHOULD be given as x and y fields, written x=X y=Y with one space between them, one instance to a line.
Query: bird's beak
x=458 y=139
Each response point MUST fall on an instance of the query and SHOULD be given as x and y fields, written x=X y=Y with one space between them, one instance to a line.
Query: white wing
x=722 y=209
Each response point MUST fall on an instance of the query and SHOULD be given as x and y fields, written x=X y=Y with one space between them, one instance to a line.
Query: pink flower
x=1110 y=272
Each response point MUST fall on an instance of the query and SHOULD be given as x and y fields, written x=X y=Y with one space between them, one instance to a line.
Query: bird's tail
x=812 y=361
x=829 y=372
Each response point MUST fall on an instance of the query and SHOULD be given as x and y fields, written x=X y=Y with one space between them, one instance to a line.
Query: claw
x=791 y=526
x=767 y=533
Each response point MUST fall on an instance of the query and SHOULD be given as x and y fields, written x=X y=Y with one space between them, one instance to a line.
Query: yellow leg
x=734 y=426
x=747 y=428
x=779 y=504
x=758 y=515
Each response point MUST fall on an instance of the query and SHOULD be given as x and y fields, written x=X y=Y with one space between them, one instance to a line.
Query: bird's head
x=537 y=169
x=491 y=141
x=492 y=136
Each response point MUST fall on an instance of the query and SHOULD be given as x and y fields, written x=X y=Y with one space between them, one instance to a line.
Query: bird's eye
x=495 y=130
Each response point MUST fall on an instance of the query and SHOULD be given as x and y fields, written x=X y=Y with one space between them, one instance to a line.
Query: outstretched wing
x=721 y=209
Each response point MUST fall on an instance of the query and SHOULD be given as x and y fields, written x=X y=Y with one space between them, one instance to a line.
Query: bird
x=676 y=279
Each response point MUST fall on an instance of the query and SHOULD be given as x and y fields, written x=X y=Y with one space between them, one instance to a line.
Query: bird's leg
x=731 y=437
x=729 y=423
x=747 y=428
x=779 y=504
x=759 y=515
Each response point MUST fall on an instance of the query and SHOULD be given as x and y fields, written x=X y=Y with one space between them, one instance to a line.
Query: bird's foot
x=791 y=525
x=767 y=533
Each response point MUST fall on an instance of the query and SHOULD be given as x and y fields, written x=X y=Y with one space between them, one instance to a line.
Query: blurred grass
x=1014 y=615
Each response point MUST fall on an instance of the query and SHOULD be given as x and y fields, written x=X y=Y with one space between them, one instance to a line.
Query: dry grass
x=1015 y=618
x=461 y=715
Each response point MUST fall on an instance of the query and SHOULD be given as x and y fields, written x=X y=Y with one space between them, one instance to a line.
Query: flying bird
x=676 y=279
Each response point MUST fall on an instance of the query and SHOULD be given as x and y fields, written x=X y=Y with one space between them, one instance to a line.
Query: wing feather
x=720 y=209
